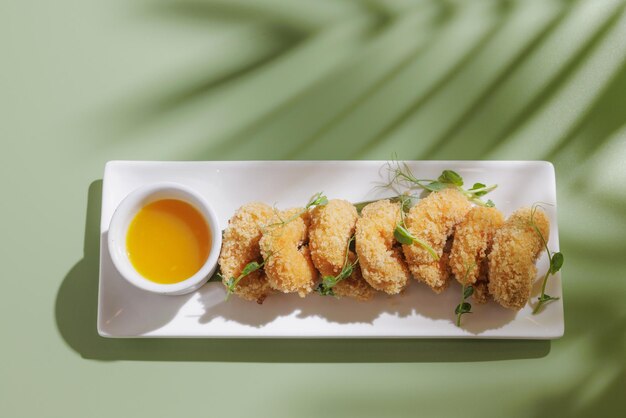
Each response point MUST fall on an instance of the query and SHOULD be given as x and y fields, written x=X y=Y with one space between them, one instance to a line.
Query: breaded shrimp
x=332 y=226
x=432 y=221
x=472 y=242
x=381 y=261
x=516 y=247
x=240 y=246
x=288 y=263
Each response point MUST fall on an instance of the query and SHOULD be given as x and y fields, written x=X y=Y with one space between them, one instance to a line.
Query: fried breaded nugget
x=381 y=261
x=240 y=246
x=432 y=220
x=472 y=242
x=516 y=247
x=332 y=226
x=288 y=263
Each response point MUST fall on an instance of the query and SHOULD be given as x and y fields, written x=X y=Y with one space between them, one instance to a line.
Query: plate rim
x=113 y=164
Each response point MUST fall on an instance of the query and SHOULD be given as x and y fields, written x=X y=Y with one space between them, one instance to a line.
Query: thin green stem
x=542 y=298
x=543 y=292
x=427 y=247
x=459 y=313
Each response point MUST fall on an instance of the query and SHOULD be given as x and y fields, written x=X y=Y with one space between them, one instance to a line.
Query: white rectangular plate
x=124 y=311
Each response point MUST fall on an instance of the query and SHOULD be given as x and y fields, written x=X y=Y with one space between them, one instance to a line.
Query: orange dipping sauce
x=168 y=241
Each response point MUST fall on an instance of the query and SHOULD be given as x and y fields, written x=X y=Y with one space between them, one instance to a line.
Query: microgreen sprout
x=467 y=291
x=401 y=174
x=556 y=262
x=401 y=232
x=325 y=288
x=232 y=282
x=318 y=199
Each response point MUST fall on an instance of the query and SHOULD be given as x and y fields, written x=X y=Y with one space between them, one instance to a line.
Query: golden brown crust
x=473 y=238
x=515 y=249
x=240 y=246
x=381 y=260
x=432 y=220
x=288 y=264
x=332 y=227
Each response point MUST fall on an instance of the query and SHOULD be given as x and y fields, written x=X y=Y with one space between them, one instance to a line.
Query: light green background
x=83 y=82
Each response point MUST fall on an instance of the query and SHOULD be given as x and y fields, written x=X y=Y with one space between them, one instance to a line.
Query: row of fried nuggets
x=474 y=244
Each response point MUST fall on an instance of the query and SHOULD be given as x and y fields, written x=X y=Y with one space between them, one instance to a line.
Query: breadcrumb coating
x=332 y=226
x=240 y=246
x=473 y=238
x=516 y=247
x=288 y=264
x=432 y=220
x=381 y=260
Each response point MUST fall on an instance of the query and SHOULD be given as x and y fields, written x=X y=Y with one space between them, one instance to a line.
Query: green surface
x=83 y=82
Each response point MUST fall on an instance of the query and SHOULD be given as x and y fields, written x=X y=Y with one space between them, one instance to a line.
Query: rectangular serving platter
x=125 y=311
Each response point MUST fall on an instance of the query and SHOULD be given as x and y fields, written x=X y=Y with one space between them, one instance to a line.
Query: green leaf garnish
x=545 y=298
x=434 y=186
x=401 y=174
x=464 y=307
x=451 y=177
x=324 y=290
x=479 y=189
x=318 y=199
x=403 y=236
x=250 y=267
x=556 y=262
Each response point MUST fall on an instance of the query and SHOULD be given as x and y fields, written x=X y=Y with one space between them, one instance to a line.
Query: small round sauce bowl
x=126 y=212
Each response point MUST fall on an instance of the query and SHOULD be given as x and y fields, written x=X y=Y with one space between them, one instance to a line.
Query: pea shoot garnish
x=401 y=232
x=556 y=262
x=318 y=199
x=232 y=282
x=464 y=307
x=325 y=288
x=402 y=174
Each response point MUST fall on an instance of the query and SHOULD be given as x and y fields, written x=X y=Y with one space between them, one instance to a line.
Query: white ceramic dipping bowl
x=125 y=213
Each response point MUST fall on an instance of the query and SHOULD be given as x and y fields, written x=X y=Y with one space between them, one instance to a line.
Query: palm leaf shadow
x=454 y=145
x=494 y=86
x=503 y=9
x=332 y=135
x=284 y=35
x=602 y=118
x=562 y=76
x=265 y=135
